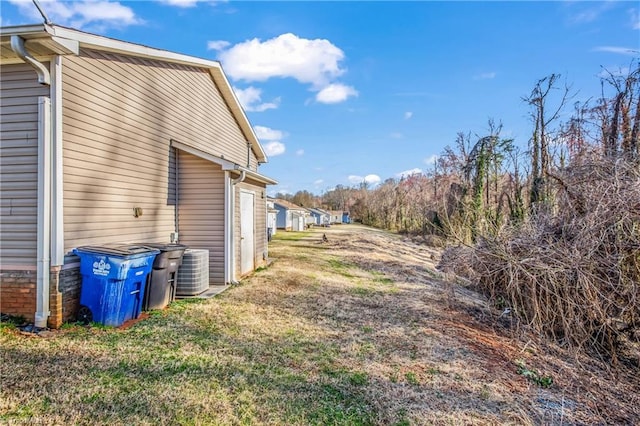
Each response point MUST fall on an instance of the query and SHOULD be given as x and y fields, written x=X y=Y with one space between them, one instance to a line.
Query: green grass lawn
x=353 y=331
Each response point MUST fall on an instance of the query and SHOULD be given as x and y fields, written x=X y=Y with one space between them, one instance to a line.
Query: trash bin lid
x=121 y=250
x=165 y=246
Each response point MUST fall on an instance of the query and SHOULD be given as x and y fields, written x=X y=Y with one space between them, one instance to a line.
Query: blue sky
x=340 y=92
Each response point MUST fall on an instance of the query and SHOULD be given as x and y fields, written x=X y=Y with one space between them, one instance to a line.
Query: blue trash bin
x=113 y=282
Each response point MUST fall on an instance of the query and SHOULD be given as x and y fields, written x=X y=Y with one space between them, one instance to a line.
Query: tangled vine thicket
x=573 y=273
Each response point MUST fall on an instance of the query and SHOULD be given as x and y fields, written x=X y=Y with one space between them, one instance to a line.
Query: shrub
x=571 y=272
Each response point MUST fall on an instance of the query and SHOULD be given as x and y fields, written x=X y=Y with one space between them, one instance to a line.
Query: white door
x=247 y=243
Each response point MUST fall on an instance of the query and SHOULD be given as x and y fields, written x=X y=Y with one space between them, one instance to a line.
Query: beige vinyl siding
x=157 y=98
x=253 y=162
x=119 y=116
x=201 y=209
x=19 y=92
x=260 y=219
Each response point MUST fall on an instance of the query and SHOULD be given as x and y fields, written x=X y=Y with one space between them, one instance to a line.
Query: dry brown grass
x=358 y=330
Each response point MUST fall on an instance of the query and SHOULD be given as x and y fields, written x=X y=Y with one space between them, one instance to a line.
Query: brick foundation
x=70 y=283
x=18 y=294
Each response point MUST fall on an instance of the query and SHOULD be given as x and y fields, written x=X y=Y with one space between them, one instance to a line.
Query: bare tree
x=619 y=123
x=543 y=116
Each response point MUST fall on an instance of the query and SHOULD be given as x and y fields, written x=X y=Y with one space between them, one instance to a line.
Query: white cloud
x=635 y=19
x=485 y=76
x=179 y=3
x=370 y=179
x=408 y=115
x=300 y=152
x=280 y=190
x=274 y=148
x=396 y=135
x=318 y=182
x=251 y=99
x=217 y=44
x=407 y=173
x=79 y=14
x=105 y=10
x=316 y=62
x=431 y=159
x=617 y=49
x=590 y=13
x=335 y=93
x=309 y=61
x=268 y=134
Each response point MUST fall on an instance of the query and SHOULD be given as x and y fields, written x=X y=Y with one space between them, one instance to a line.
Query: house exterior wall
x=19 y=92
x=324 y=218
x=283 y=217
x=120 y=114
x=311 y=219
x=201 y=210
x=272 y=217
x=260 y=225
x=298 y=221
x=335 y=216
x=271 y=222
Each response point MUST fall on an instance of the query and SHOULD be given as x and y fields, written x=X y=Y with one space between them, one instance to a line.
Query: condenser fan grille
x=193 y=275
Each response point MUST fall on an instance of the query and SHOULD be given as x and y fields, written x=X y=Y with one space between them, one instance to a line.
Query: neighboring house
x=309 y=219
x=290 y=217
x=104 y=141
x=335 y=216
x=271 y=218
x=322 y=217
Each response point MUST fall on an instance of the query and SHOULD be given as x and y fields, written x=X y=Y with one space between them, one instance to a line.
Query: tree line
x=550 y=230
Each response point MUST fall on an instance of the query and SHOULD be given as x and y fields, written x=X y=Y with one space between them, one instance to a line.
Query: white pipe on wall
x=227 y=228
x=232 y=223
x=43 y=226
x=17 y=45
x=44 y=212
x=57 y=221
x=176 y=221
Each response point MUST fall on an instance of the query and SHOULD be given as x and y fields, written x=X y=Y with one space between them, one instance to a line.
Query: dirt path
x=431 y=353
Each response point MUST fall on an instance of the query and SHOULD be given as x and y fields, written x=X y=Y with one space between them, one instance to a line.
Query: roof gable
x=288 y=205
x=49 y=40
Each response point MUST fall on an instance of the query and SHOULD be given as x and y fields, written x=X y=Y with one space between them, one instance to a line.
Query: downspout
x=239 y=179
x=227 y=228
x=43 y=251
x=176 y=220
x=44 y=212
x=232 y=225
x=57 y=194
x=17 y=45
